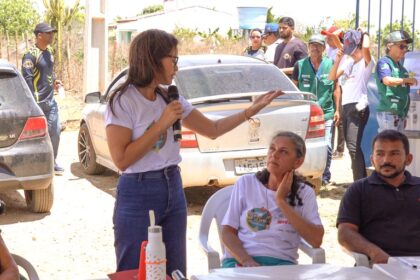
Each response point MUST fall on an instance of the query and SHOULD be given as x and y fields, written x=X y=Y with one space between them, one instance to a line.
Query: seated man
x=269 y=212
x=379 y=215
x=8 y=267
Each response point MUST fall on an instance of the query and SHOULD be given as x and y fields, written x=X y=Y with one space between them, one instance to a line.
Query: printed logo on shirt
x=28 y=64
x=258 y=219
x=286 y=56
x=160 y=142
x=385 y=66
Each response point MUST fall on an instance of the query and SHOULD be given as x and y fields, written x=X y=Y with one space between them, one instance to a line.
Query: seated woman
x=269 y=212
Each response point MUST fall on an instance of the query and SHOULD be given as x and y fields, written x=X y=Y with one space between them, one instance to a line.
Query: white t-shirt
x=354 y=81
x=332 y=52
x=134 y=111
x=266 y=232
x=271 y=50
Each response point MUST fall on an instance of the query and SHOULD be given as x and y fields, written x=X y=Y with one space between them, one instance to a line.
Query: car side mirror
x=93 y=97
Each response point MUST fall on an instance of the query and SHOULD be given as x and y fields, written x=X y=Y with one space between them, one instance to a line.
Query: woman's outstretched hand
x=262 y=101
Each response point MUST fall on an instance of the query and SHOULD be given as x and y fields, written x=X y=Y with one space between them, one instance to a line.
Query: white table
x=298 y=272
x=400 y=268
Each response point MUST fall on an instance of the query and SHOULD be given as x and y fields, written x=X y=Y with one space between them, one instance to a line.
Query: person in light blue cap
x=271 y=38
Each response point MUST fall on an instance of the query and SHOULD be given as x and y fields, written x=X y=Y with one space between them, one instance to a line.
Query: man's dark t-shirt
x=386 y=216
x=288 y=53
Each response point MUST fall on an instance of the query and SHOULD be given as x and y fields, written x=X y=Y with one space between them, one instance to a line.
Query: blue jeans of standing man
x=50 y=109
x=354 y=122
x=387 y=120
x=326 y=176
x=137 y=193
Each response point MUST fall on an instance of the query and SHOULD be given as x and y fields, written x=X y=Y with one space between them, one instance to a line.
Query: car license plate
x=249 y=165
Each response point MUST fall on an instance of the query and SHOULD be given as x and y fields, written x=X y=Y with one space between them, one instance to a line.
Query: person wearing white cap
x=38 y=71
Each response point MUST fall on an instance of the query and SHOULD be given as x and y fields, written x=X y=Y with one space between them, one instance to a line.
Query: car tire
x=87 y=155
x=40 y=201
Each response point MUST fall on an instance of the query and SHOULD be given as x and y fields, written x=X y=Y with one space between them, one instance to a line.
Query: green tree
x=396 y=25
x=60 y=17
x=151 y=9
x=271 y=17
x=18 y=16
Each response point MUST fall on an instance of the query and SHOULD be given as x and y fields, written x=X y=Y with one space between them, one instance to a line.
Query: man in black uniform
x=38 y=71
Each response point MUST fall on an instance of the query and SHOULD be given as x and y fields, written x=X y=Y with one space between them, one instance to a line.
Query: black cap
x=398 y=36
x=43 y=28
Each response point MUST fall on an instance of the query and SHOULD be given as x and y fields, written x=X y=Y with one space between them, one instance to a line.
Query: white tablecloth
x=296 y=272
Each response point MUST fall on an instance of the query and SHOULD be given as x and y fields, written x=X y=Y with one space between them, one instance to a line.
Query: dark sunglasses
x=174 y=59
x=253 y=37
x=403 y=47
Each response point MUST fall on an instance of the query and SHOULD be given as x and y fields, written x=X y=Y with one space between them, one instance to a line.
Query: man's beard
x=392 y=175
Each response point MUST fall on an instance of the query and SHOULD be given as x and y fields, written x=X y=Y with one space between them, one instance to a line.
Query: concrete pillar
x=95 y=71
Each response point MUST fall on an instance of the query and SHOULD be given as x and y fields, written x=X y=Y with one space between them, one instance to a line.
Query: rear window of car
x=11 y=89
x=227 y=79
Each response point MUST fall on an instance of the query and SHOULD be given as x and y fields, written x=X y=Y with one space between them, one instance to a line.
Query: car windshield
x=227 y=79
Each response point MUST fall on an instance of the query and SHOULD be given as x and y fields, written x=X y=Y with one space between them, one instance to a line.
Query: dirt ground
x=75 y=240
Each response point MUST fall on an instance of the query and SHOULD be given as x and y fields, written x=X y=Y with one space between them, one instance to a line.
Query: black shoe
x=58 y=170
x=337 y=155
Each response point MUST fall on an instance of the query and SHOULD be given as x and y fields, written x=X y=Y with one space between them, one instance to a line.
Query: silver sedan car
x=220 y=85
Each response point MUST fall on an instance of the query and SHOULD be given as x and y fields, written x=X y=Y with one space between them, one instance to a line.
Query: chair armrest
x=361 y=259
x=27 y=266
x=317 y=254
x=213 y=256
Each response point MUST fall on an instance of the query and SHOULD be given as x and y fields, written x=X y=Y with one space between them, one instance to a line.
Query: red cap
x=330 y=32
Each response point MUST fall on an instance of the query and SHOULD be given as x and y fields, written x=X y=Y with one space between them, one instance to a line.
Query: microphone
x=174 y=95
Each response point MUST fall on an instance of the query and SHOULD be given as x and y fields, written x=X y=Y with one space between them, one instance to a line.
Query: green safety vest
x=318 y=83
x=395 y=100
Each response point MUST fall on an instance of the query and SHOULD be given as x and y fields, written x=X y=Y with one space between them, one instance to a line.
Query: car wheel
x=40 y=201
x=87 y=155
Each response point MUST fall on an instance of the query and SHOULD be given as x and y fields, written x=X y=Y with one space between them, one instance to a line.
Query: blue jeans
x=387 y=120
x=50 y=109
x=326 y=176
x=138 y=193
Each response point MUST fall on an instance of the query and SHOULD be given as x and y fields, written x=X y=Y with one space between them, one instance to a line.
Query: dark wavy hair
x=300 y=149
x=145 y=59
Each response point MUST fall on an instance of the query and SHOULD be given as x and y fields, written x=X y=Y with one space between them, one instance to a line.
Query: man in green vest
x=394 y=83
x=311 y=74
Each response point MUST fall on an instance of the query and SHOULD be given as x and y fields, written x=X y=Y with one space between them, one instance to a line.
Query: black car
x=26 y=154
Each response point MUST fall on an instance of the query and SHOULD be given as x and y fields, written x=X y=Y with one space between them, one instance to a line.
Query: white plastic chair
x=27 y=266
x=359 y=258
x=216 y=208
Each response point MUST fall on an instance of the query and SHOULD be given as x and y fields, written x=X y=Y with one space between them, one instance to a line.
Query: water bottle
x=155 y=252
x=61 y=92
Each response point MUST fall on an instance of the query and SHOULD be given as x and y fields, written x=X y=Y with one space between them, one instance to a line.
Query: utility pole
x=95 y=70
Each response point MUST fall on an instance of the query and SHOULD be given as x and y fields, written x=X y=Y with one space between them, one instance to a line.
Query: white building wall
x=194 y=18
